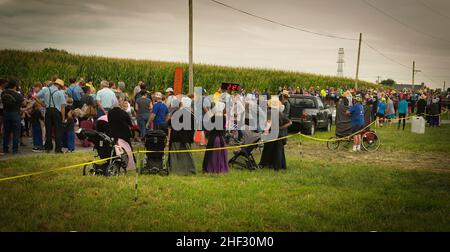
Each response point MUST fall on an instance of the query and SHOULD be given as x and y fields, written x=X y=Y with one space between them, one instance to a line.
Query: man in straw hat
x=284 y=98
x=55 y=102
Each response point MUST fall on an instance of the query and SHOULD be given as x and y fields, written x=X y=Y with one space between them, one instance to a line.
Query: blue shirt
x=56 y=101
x=381 y=107
x=75 y=92
x=403 y=107
x=160 y=110
x=357 y=112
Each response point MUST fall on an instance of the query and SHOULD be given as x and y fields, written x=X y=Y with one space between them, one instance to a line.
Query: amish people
x=55 y=102
x=181 y=163
x=273 y=153
x=216 y=161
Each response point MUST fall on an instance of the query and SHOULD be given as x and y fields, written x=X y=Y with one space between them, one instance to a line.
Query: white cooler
x=418 y=125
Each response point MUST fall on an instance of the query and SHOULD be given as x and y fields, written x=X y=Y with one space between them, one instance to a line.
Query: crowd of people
x=52 y=111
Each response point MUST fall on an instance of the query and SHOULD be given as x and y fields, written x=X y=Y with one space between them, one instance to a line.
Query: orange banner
x=178 y=81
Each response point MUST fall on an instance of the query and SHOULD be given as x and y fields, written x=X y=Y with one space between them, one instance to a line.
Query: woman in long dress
x=216 y=161
x=273 y=153
x=181 y=163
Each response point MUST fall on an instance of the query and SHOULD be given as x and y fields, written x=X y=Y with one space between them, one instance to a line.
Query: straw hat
x=59 y=82
x=274 y=102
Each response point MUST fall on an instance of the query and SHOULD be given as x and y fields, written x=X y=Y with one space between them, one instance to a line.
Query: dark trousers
x=401 y=117
x=53 y=125
x=434 y=120
x=69 y=140
x=37 y=136
x=27 y=124
x=11 y=125
x=413 y=106
x=142 y=123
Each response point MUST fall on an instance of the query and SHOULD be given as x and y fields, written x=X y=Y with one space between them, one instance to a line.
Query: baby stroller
x=155 y=140
x=105 y=148
x=243 y=158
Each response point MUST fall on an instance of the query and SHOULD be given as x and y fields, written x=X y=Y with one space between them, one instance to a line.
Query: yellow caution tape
x=202 y=150
x=56 y=169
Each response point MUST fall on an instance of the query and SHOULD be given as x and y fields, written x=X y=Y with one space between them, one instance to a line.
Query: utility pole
x=378 y=79
x=340 y=70
x=191 y=58
x=357 y=64
x=443 y=90
x=414 y=71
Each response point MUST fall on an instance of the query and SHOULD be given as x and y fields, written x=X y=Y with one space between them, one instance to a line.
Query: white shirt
x=106 y=97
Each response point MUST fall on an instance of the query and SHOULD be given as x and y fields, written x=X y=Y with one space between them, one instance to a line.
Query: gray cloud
x=157 y=29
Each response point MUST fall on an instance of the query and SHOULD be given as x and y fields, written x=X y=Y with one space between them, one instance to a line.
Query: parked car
x=308 y=113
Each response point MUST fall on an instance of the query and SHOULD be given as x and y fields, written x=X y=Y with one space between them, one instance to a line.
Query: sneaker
x=36 y=150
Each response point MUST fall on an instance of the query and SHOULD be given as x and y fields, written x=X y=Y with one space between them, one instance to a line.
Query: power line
x=284 y=25
x=403 y=23
x=329 y=35
x=384 y=55
x=432 y=9
x=391 y=59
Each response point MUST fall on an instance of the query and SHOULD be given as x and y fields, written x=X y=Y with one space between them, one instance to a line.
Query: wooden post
x=191 y=67
x=413 y=73
x=357 y=63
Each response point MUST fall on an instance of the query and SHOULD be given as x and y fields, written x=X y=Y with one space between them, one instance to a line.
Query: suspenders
x=51 y=100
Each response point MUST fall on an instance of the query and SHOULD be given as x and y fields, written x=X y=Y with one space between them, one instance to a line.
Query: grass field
x=405 y=186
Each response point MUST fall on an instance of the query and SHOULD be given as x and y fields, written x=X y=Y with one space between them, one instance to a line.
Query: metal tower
x=340 y=70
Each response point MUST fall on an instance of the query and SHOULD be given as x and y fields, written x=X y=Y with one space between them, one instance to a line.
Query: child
x=86 y=121
x=69 y=127
x=381 y=112
x=24 y=120
x=36 y=118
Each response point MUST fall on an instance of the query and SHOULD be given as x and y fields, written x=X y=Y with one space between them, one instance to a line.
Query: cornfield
x=30 y=67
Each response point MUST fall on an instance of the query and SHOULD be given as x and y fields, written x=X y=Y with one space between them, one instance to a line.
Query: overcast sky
x=158 y=30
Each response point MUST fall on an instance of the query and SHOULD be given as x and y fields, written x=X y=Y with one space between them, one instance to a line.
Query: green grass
x=402 y=187
x=38 y=66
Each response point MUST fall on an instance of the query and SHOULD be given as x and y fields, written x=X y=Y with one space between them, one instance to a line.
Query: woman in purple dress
x=216 y=161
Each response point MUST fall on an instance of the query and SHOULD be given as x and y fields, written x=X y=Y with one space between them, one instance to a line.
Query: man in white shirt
x=106 y=98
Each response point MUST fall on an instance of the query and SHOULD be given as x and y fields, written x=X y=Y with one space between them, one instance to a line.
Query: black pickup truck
x=308 y=113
